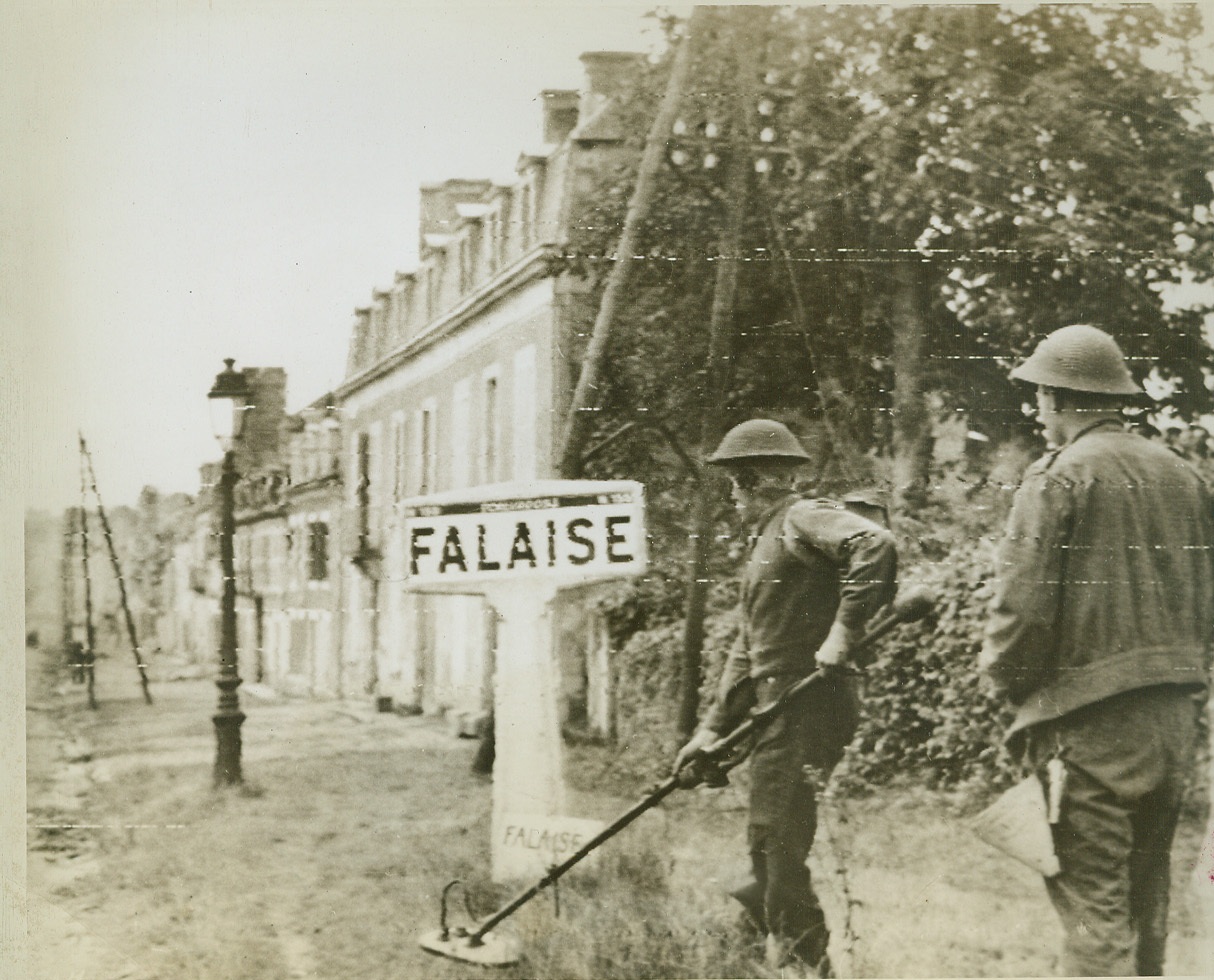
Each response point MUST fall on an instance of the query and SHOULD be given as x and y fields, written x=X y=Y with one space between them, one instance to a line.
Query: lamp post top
x=229 y=383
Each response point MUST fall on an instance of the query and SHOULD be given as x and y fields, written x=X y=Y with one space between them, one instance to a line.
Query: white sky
x=230 y=179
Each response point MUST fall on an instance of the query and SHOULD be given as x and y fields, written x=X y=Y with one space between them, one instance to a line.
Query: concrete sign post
x=518 y=544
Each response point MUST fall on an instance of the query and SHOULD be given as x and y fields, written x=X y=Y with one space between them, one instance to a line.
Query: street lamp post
x=228 y=399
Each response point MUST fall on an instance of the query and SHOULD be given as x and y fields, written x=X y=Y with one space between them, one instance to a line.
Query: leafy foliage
x=927 y=714
x=1033 y=167
x=927 y=711
x=1029 y=168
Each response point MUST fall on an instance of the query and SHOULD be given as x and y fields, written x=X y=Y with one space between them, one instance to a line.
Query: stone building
x=308 y=636
x=288 y=519
x=457 y=376
x=286 y=553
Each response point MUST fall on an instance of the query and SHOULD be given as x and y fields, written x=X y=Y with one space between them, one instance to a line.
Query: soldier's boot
x=750 y=897
x=802 y=958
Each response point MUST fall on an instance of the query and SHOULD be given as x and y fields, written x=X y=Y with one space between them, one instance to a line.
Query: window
x=362 y=485
x=461 y=433
x=427 y=449
x=524 y=215
x=408 y=295
x=318 y=551
x=431 y=291
x=399 y=460
x=465 y=263
x=310 y=454
x=377 y=478
x=493 y=241
x=490 y=428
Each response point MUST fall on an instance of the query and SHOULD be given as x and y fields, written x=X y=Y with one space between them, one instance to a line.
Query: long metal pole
x=228 y=716
x=126 y=606
x=648 y=803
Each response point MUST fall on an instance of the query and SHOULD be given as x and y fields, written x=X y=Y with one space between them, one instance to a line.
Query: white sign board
x=518 y=544
x=583 y=531
x=527 y=845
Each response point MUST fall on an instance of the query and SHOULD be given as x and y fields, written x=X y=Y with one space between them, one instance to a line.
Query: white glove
x=835 y=648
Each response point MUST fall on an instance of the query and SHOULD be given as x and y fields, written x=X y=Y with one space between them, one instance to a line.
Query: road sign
x=518 y=544
x=562 y=530
x=526 y=846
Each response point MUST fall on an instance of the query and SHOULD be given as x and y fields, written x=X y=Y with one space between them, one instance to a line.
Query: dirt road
x=331 y=866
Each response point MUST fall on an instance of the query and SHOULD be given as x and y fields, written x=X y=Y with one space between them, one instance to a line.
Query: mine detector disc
x=490 y=950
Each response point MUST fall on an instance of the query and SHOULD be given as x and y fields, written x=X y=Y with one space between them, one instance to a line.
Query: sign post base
x=518 y=544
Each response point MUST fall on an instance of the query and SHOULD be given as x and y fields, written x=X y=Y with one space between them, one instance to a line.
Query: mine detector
x=480 y=945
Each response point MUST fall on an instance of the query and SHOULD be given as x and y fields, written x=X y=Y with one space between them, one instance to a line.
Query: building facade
x=309 y=631
x=457 y=377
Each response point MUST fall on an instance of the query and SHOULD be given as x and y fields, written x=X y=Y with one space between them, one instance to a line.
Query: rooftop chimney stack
x=606 y=74
x=560 y=113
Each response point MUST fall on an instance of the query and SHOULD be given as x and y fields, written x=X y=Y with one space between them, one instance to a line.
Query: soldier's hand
x=835 y=648
x=698 y=742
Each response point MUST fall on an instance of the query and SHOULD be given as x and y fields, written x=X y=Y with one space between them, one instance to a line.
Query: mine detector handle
x=916 y=604
x=655 y=797
x=711 y=763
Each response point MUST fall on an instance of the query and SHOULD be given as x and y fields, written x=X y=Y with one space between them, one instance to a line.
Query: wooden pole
x=71 y=656
x=586 y=393
x=109 y=541
x=90 y=656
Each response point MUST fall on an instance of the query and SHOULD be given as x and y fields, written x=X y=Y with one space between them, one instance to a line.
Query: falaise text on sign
x=586 y=534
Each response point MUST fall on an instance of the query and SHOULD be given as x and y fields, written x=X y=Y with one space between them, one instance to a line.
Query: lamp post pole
x=228 y=716
x=228 y=400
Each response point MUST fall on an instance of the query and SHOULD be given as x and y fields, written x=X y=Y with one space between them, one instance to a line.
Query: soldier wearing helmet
x=1098 y=632
x=816 y=573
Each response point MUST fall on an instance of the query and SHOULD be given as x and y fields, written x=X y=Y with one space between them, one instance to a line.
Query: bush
x=646 y=683
x=927 y=711
x=928 y=714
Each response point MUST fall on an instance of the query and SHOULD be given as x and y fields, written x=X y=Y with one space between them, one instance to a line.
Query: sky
x=186 y=181
x=192 y=181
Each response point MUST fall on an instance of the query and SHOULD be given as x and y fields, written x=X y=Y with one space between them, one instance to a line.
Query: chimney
x=606 y=74
x=560 y=113
x=261 y=434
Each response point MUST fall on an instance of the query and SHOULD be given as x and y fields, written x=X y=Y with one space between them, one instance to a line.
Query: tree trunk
x=911 y=418
x=586 y=393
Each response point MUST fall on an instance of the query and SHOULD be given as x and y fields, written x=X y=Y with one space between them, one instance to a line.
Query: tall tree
x=586 y=393
x=943 y=186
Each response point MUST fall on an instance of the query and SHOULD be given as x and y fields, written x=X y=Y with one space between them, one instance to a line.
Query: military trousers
x=792 y=757
x=1127 y=760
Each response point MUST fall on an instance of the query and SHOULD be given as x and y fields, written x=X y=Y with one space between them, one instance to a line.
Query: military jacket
x=811 y=562
x=1104 y=576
